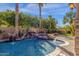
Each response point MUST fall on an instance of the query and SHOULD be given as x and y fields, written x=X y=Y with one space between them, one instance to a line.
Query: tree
x=8 y=17
x=34 y=22
x=69 y=18
x=40 y=10
x=16 y=18
x=76 y=23
x=24 y=20
x=44 y=23
x=52 y=23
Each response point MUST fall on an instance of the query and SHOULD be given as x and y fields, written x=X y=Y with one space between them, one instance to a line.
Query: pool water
x=27 y=47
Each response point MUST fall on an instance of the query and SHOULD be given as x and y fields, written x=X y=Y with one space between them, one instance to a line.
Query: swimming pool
x=27 y=47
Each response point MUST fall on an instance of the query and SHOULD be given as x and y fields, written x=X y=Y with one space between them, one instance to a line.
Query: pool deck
x=65 y=50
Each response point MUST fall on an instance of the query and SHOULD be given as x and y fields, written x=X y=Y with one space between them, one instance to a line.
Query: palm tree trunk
x=77 y=31
x=16 y=18
x=40 y=9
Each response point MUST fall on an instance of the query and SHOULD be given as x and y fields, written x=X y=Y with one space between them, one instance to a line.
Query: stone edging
x=58 y=50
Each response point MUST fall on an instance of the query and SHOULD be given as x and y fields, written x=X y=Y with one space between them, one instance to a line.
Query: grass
x=69 y=34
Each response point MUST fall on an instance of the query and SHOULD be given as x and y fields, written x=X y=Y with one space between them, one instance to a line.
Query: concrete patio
x=66 y=50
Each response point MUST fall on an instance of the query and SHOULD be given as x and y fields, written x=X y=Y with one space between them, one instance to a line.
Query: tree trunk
x=40 y=7
x=16 y=18
x=77 y=30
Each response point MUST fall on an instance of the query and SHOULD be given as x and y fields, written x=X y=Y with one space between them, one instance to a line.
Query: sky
x=57 y=11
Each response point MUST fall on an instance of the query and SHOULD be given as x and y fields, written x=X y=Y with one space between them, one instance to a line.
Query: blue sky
x=57 y=11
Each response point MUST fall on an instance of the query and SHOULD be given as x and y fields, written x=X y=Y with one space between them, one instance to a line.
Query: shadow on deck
x=66 y=51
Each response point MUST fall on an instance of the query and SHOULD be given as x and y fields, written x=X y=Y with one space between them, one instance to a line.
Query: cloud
x=6 y=6
x=52 y=5
x=30 y=9
x=48 y=9
x=54 y=8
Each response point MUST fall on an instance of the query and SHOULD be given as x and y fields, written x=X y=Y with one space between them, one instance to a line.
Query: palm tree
x=40 y=10
x=16 y=17
x=76 y=35
x=76 y=52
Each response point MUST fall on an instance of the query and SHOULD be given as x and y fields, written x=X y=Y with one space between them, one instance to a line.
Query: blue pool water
x=27 y=47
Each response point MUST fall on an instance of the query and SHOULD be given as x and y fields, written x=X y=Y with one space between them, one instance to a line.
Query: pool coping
x=58 y=50
x=65 y=43
x=54 y=53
